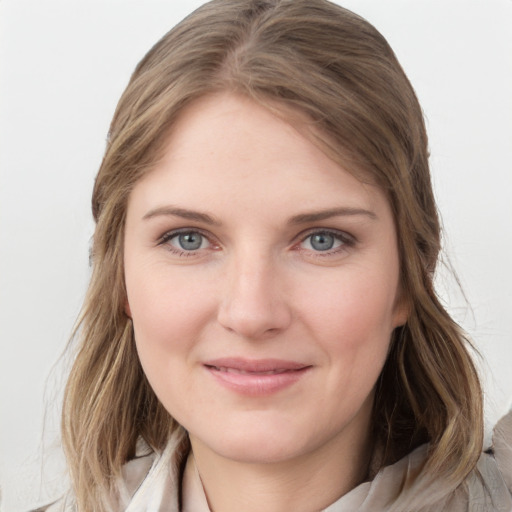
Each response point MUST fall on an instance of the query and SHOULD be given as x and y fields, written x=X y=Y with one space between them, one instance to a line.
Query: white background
x=63 y=66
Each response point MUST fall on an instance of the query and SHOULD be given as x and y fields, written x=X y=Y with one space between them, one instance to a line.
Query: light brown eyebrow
x=302 y=218
x=316 y=216
x=183 y=213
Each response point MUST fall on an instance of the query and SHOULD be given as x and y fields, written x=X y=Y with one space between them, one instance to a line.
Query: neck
x=305 y=483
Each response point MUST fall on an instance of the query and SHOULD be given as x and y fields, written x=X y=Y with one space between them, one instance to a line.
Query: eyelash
x=167 y=237
x=347 y=241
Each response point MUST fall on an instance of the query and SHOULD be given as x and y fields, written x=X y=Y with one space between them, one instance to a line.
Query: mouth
x=256 y=377
x=248 y=372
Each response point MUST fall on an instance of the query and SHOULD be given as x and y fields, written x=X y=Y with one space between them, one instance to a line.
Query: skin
x=257 y=288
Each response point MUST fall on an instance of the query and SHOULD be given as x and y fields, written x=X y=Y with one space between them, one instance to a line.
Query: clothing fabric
x=152 y=483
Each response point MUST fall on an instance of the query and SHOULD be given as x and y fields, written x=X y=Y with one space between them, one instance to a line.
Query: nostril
x=254 y=323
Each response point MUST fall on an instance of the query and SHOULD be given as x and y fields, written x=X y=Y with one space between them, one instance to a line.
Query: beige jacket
x=151 y=483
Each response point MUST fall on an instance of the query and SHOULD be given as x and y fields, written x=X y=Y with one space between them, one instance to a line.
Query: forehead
x=229 y=148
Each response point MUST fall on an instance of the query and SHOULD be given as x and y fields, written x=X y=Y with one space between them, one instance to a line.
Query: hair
x=316 y=58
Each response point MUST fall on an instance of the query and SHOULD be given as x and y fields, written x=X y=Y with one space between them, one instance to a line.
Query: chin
x=259 y=452
x=260 y=442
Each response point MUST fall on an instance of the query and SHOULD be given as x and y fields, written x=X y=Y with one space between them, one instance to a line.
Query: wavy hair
x=324 y=61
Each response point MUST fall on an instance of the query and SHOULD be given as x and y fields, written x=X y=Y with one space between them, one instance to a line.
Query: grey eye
x=322 y=241
x=191 y=241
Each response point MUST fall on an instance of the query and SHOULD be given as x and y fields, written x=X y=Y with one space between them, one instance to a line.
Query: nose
x=254 y=304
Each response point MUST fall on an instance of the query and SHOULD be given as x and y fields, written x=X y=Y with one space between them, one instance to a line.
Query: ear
x=127 y=310
x=402 y=310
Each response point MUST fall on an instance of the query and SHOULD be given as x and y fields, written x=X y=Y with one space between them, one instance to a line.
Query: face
x=262 y=281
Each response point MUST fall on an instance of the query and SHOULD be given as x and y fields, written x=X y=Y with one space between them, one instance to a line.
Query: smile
x=245 y=372
x=256 y=377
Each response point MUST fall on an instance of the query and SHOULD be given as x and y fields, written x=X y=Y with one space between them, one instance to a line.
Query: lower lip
x=257 y=384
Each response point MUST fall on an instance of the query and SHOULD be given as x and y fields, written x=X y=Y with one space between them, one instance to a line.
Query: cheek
x=352 y=309
x=167 y=315
x=352 y=322
x=164 y=327
x=165 y=307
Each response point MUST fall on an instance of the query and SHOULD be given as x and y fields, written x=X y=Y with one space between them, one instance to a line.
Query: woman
x=261 y=330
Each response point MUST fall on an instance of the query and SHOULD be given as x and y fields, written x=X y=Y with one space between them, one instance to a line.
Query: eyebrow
x=315 y=216
x=183 y=213
x=302 y=218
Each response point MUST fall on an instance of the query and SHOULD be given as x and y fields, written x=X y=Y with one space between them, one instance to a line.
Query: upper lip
x=255 y=365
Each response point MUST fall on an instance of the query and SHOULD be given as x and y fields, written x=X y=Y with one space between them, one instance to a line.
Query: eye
x=326 y=241
x=322 y=241
x=185 y=241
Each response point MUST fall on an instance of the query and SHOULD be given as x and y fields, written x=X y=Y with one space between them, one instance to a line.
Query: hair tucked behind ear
x=289 y=55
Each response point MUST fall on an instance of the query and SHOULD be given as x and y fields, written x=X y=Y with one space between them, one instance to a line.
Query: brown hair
x=333 y=66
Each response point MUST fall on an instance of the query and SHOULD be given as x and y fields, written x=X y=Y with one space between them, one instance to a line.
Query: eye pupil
x=322 y=241
x=190 y=241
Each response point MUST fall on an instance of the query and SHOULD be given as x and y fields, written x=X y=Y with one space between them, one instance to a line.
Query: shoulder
x=64 y=504
x=493 y=474
x=133 y=473
x=150 y=481
x=488 y=488
x=502 y=449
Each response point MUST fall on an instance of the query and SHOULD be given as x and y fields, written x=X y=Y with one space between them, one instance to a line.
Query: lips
x=245 y=372
x=256 y=377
